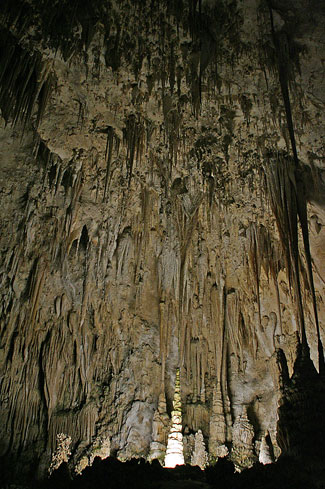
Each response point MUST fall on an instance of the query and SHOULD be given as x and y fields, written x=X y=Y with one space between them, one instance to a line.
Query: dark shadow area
x=110 y=473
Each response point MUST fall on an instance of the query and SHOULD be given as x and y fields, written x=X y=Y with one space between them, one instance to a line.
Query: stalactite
x=264 y=254
x=49 y=160
x=147 y=258
x=286 y=52
x=87 y=284
x=24 y=82
x=186 y=222
x=108 y=158
x=281 y=187
x=256 y=266
x=133 y=138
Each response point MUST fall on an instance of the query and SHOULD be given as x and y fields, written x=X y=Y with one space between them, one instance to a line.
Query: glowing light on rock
x=173 y=459
x=174 y=452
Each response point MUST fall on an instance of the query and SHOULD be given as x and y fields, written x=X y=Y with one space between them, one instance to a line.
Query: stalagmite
x=265 y=456
x=199 y=455
x=174 y=451
x=218 y=430
x=242 y=440
x=160 y=429
x=62 y=452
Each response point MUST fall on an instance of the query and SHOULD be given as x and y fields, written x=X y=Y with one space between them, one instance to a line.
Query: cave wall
x=162 y=207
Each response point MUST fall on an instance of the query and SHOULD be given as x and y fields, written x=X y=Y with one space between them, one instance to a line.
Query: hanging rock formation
x=162 y=207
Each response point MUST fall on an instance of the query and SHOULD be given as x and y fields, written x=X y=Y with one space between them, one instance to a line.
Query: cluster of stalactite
x=193 y=38
x=26 y=81
x=170 y=241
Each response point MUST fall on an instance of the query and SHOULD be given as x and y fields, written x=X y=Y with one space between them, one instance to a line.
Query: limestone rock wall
x=158 y=163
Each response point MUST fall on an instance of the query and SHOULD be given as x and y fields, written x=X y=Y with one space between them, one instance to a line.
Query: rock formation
x=160 y=430
x=242 y=442
x=199 y=456
x=174 y=450
x=162 y=208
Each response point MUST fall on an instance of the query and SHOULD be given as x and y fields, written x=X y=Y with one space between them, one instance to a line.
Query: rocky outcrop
x=162 y=208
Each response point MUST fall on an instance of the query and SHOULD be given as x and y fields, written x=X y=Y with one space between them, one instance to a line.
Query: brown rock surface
x=156 y=159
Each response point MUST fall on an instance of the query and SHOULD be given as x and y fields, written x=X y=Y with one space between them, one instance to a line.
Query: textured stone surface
x=152 y=218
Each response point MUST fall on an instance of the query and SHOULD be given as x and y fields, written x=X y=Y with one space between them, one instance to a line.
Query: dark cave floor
x=287 y=473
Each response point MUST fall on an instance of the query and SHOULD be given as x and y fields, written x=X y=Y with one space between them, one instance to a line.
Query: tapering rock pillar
x=174 y=452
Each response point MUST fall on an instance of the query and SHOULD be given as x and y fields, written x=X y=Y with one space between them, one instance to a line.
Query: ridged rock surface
x=162 y=177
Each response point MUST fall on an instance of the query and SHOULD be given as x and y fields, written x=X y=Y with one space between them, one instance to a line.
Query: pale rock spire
x=174 y=452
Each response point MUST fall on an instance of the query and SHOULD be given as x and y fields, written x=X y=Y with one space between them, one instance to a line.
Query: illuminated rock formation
x=174 y=451
x=162 y=207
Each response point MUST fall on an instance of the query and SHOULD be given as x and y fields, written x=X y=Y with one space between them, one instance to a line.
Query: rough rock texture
x=199 y=455
x=162 y=207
